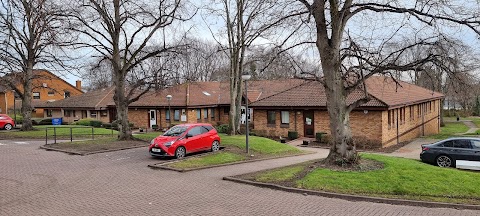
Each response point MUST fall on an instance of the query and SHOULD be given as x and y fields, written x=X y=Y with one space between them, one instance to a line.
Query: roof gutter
x=415 y=102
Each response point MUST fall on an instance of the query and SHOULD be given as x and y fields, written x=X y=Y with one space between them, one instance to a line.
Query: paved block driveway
x=38 y=182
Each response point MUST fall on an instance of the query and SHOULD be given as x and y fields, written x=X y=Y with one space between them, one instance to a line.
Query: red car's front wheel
x=180 y=152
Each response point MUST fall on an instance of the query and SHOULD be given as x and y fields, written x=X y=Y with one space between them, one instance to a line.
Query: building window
x=226 y=110
x=36 y=95
x=167 y=114
x=49 y=112
x=419 y=111
x=412 y=113
x=93 y=114
x=401 y=116
x=51 y=93
x=67 y=113
x=212 y=112
x=285 y=117
x=391 y=119
x=176 y=115
x=74 y=115
x=103 y=113
x=199 y=114
x=271 y=118
x=66 y=94
x=205 y=113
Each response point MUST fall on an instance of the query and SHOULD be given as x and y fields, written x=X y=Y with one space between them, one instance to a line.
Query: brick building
x=396 y=113
x=46 y=87
x=207 y=102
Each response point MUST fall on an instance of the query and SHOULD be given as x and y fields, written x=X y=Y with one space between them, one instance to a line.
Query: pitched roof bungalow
x=190 y=102
x=395 y=113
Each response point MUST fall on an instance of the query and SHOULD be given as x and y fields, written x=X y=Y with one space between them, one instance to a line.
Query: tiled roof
x=384 y=92
x=309 y=94
x=265 y=93
x=94 y=99
x=199 y=94
x=212 y=93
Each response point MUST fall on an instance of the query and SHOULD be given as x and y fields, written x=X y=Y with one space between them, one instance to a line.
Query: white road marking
x=1 y=144
x=21 y=143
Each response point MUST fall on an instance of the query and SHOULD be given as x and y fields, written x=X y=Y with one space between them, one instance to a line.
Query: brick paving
x=39 y=182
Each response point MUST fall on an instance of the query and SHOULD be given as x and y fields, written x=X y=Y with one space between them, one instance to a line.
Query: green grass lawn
x=400 y=178
x=208 y=160
x=235 y=151
x=450 y=129
x=148 y=136
x=60 y=131
x=99 y=144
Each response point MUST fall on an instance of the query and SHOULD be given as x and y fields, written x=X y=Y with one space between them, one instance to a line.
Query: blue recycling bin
x=57 y=121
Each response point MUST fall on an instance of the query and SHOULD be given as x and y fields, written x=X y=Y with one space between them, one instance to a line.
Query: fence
x=68 y=132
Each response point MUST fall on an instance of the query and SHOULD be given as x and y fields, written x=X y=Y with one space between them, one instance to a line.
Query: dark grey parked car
x=444 y=153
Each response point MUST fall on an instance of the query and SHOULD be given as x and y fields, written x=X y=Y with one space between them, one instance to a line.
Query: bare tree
x=244 y=23
x=346 y=64
x=32 y=35
x=97 y=75
x=121 y=32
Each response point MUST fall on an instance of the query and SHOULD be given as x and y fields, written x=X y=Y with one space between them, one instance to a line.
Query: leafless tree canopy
x=350 y=57
x=125 y=34
x=32 y=34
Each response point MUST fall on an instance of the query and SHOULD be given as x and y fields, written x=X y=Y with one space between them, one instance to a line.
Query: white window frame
x=284 y=119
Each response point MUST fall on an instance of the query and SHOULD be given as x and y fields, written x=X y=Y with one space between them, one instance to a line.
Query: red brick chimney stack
x=78 y=84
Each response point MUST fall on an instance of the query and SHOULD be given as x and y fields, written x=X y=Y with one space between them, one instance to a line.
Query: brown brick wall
x=139 y=117
x=53 y=84
x=362 y=124
x=425 y=124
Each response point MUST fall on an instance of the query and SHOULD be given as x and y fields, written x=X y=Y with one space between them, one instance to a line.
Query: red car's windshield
x=175 y=131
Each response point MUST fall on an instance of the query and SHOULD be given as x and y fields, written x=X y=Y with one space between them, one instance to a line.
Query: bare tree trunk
x=27 y=101
x=342 y=150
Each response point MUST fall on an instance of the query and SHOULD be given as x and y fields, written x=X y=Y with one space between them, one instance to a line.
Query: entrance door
x=153 y=118
x=308 y=123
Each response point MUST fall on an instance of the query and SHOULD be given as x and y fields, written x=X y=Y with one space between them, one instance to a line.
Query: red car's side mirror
x=188 y=136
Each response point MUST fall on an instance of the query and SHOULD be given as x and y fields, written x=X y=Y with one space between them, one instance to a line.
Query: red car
x=6 y=122
x=185 y=138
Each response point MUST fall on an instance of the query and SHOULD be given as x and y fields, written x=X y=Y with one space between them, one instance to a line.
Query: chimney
x=78 y=84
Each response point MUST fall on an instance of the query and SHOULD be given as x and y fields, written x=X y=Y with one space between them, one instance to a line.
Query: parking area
x=39 y=182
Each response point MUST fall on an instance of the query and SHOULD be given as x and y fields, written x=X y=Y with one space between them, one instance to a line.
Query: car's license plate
x=156 y=150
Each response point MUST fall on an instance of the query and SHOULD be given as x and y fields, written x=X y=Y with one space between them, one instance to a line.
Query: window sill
x=271 y=125
x=284 y=125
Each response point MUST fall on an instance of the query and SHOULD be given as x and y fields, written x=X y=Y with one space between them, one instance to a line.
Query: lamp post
x=169 y=98
x=246 y=76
